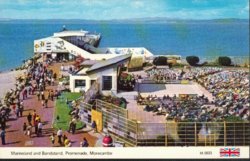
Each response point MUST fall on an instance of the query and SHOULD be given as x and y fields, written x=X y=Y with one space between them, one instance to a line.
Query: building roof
x=70 y=33
x=89 y=62
x=109 y=62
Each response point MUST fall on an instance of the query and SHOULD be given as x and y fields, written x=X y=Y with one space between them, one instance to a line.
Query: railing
x=109 y=107
x=194 y=134
x=85 y=112
x=116 y=122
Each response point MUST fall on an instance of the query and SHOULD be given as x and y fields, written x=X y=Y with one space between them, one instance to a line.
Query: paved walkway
x=16 y=138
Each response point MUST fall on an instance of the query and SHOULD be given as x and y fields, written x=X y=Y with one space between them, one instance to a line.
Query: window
x=80 y=83
x=106 y=82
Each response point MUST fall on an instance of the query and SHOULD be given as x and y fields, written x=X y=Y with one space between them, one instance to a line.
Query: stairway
x=91 y=92
x=76 y=51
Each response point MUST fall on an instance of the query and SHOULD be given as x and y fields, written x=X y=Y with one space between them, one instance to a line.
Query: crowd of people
x=197 y=72
x=231 y=92
x=164 y=74
x=35 y=79
x=182 y=109
x=35 y=82
x=229 y=88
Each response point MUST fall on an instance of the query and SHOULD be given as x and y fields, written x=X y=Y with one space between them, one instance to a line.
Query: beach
x=8 y=80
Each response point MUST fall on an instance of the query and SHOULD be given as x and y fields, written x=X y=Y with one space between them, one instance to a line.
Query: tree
x=192 y=60
x=224 y=60
x=161 y=60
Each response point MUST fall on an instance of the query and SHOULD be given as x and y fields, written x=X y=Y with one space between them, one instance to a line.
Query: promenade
x=15 y=136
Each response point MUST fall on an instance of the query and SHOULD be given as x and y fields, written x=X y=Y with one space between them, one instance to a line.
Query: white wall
x=136 y=51
x=108 y=72
x=38 y=48
x=95 y=76
x=78 y=89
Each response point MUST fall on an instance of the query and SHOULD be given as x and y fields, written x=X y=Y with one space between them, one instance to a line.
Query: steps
x=76 y=51
x=91 y=92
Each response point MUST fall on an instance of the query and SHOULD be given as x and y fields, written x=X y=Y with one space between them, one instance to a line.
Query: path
x=15 y=136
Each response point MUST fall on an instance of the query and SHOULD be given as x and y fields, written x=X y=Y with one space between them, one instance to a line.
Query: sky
x=123 y=9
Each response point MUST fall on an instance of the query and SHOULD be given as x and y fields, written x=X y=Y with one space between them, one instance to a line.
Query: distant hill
x=120 y=21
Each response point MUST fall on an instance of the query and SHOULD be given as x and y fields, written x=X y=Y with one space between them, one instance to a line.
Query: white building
x=101 y=73
x=68 y=44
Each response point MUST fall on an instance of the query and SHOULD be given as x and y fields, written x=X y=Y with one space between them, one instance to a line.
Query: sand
x=8 y=80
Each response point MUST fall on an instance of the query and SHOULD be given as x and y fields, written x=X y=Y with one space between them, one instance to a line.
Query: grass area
x=62 y=110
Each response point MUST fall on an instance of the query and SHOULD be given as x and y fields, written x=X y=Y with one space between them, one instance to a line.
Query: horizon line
x=126 y=19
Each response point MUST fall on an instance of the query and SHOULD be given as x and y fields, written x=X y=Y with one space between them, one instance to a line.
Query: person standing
x=73 y=128
x=42 y=96
x=52 y=95
x=52 y=81
x=34 y=117
x=29 y=130
x=29 y=118
x=25 y=128
x=67 y=142
x=70 y=126
x=40 y=127
x=46 y=103
x=38 y=95
x=52 y=138
x=3 y=123
x=36 y=127
x=59 y=135
x=17 y=112
x=21 y=111
x=94 y=127
x=3 y=137
x=84 y=143
x=14 y=108
x=64 y=138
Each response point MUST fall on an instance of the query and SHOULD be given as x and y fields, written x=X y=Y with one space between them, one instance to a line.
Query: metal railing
x=115 y=121
x=85 y=112
x=109 y=107
x=194 y=134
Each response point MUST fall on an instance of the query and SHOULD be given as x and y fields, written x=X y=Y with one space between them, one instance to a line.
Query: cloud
x=117 y=9
x=244 y=9
x=138 y=4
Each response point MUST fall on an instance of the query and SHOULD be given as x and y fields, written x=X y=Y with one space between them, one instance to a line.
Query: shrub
x=161 y=60
x=224 y=60
x=147 y=64
x=192 y=60
x=126 y=82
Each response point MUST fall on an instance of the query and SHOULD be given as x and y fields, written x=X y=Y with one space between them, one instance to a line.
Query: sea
x=201 y=38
